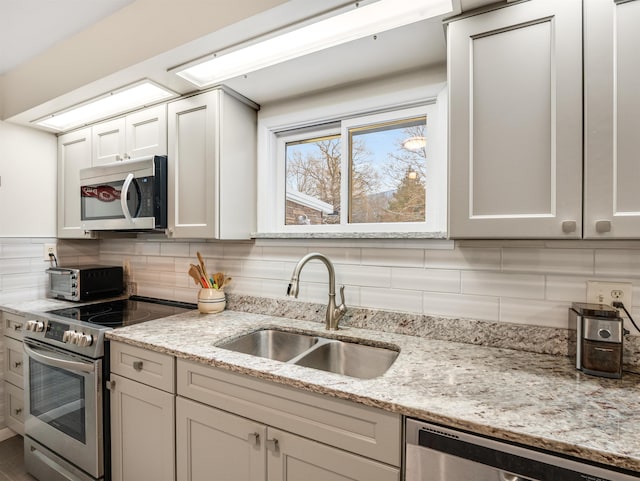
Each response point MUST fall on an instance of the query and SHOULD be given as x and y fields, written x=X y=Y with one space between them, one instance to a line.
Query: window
x=370 y=173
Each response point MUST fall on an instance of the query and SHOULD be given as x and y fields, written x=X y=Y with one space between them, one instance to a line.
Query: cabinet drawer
x=14 y=404
x=13 y=362
x=360 y=429
x=13 y=325
x=148 y=367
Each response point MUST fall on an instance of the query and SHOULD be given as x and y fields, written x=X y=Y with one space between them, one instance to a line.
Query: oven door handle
x=61 y=363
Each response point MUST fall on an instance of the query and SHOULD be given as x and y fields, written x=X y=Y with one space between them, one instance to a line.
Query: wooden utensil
x=218 y=279
x=195 y=274
x=204 y=269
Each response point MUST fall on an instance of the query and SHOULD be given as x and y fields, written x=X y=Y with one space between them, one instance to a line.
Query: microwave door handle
x=123 y=197
x=61 y=363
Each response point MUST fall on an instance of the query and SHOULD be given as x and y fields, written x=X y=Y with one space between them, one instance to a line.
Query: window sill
x=350 y=235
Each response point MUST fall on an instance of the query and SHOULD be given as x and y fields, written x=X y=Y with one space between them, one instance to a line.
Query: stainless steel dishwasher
x=435 y=453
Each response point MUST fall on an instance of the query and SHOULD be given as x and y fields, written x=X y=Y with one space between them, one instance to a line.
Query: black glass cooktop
x=124 y=312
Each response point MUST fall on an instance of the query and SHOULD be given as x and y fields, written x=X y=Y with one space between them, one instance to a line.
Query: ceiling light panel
x=360 y=22
x=113 y=103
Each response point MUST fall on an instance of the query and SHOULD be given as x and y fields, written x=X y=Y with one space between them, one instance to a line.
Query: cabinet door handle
x=272 y=445
x=603 y=226
x=18 y=411
x=569 y=226
x=17 y=327
x=137 y=365
x=17 y=363
x=254 y=438
x=110 y=385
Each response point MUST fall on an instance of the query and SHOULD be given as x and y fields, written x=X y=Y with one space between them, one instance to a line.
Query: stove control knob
x=66 y=336
x=85 y=340
x=35 y=326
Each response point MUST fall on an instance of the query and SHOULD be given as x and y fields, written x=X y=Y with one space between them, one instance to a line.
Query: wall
x=521 y=282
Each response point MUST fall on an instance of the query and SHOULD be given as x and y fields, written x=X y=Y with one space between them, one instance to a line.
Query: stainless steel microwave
x=127 y=195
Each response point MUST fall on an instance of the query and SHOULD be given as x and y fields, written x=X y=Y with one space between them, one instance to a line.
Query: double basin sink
x=341 y=357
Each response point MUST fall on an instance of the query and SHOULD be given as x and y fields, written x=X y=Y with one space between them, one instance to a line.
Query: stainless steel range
x=67 y=410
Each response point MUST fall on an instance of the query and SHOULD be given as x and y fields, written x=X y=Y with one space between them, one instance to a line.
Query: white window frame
x=274 y=133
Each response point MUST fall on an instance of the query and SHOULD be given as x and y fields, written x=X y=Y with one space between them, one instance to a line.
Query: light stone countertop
x=535 y=399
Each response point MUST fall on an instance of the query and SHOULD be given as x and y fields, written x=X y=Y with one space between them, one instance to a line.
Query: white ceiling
x=35 y=25
x=29 y=27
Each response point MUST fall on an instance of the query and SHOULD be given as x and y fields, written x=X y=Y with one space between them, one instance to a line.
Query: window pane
x=388 y=164
x=313 y=181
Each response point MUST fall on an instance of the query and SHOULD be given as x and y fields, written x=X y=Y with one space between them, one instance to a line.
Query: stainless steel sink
x=340 y=357
x=350 y=359
x=272 y=344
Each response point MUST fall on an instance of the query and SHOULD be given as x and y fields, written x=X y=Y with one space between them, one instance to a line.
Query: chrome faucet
x=334 y=314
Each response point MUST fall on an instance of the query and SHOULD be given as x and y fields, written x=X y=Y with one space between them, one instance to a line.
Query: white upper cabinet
x=612 y=119
x=74 y=153
x=515 y=79
x=211 y=167
x=138 y=134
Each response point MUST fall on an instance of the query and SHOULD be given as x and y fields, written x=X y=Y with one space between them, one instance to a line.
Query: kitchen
x=475 y=287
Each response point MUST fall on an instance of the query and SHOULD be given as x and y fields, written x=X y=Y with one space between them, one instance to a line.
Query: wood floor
x=12 y=461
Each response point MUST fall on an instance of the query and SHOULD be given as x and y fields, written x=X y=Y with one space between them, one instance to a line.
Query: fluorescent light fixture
x=362 y=21
x=112 y=103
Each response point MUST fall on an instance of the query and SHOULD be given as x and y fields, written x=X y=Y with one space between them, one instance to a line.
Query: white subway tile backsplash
x=369 y=276
x=391 y=299
x=393 y=257
x=291 y=254
x=434 y=280
x=526 y=282
x=536 y=313
x=525 y=286
x=566 y=261
x=263 y=269
x=467 y=258
x=174 y=249
x=618 y=262
x=566 y=288
x=484 y=308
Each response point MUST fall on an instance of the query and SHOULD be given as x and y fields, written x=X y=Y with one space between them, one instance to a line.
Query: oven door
x=63 y=405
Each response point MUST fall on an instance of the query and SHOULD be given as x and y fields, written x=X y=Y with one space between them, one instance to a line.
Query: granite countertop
x=534 y=399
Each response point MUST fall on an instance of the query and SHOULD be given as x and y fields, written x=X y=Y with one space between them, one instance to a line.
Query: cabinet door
x=192 y=165
x=13 y=368
x=142 y=432
x=14 y=407
x=74 y=153
x=213 y=445
x=292 y=458
x=515 y=79
x=612 y=119
x=146 y=132
x=108 y=140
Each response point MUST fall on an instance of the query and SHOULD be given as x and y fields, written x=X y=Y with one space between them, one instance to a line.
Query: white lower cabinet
x=142 y=418
x=214 y=445
x=244 y=428
x=13 y=371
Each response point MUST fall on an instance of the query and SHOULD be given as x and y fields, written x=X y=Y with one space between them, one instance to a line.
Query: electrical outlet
x=601 y=292
x=50 y=249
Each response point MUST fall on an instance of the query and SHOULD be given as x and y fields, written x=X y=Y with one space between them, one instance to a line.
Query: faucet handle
x=343 y=306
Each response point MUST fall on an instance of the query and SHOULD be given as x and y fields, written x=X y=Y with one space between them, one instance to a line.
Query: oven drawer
x=148 y=367
x=14 y=364
x=13 y=325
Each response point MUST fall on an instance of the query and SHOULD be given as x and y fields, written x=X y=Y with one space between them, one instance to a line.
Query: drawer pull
x=17 y=363
x=272 y=445
x=137 y=365
x=18 y=411
x=17 y=327
x=254 y=438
